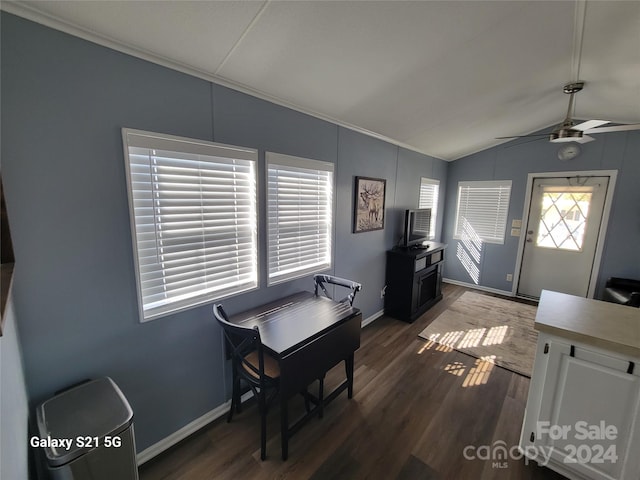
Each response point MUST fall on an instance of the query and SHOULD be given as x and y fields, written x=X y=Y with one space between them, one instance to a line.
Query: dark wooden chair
x=625 y=291
x=320 y=280
x=252 y=365
x=353 y=287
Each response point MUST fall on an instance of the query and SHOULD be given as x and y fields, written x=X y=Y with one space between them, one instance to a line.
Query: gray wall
x=14 y=436
x=514 y=161
x=64 y=101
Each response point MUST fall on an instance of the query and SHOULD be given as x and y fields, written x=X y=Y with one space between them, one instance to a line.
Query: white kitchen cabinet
x=583 y=411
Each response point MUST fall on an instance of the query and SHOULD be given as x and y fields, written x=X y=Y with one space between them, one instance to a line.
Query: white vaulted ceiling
x=443 y=78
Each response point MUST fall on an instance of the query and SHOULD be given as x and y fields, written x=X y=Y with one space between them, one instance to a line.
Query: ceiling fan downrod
x=571 y=89
x=565 y=132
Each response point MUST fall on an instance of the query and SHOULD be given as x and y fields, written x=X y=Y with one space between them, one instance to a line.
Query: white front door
x=562 y=230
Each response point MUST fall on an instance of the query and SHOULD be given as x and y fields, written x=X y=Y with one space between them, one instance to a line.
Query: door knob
x=529 y=232
x=529 y=240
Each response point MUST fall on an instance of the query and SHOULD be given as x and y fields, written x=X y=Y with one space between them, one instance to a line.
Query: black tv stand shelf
x=414 y=280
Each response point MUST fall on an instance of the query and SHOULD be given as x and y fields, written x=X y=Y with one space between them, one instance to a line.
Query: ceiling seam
x=235 y=46
x=578 y=37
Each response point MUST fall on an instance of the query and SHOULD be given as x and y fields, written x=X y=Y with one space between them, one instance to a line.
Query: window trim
x=188 y=146
x=434 y=209
x=298 y=162
x=457 y=235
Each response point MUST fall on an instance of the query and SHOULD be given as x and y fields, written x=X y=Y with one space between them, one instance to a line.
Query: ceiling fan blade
x=589 y=124
x=584 y=139
x=524 y=136
x=522 y=143
x=615 y=128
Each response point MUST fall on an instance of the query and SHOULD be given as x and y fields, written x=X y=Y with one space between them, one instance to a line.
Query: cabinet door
x=425 y=288
x=588 y=412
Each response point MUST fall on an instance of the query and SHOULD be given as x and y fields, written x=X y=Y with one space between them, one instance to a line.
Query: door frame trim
x=602 y=233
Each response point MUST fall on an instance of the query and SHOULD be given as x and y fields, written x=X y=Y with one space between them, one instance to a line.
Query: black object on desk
x=307 y=335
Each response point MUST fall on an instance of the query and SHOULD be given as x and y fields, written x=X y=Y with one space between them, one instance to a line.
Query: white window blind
x=193 y=220
x=483 y=208
x=300 y=203
x=429 y=199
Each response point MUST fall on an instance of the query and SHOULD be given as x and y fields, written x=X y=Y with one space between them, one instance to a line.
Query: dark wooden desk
x=308 y=335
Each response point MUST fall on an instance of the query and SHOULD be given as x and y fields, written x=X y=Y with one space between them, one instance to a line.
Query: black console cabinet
x=414 y=280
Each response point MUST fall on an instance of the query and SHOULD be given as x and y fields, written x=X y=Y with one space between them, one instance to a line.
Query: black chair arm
x=624 y=283
x=625 y=291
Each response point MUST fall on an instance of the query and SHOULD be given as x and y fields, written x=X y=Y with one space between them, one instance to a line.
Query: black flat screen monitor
x=417 y=223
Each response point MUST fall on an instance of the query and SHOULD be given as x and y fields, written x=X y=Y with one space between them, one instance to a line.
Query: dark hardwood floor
x=413 y=413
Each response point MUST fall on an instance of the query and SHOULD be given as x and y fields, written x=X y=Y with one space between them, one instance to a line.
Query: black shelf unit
x=414 y=280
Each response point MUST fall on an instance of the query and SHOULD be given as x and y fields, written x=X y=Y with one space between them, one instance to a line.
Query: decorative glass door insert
x=563 y=217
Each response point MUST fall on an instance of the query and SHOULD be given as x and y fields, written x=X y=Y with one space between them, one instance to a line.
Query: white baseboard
x=371 y=318
x=479 y=287
x=168 y=442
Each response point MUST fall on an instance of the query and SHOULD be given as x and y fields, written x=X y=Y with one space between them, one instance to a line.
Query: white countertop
x=602 y=324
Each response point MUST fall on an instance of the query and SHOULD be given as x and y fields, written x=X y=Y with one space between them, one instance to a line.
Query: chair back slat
x=240 y=342
x=354 y=287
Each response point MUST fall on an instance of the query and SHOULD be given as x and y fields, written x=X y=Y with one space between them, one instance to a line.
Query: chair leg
x=348 y=366
x=284 y=427
x=307 y=403
x=321 y=396
x=262 y=406
x=233 y=405
x=238 y=399
x=235 y=398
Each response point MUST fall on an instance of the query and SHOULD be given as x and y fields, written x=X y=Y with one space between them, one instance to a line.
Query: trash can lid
x=93 y=409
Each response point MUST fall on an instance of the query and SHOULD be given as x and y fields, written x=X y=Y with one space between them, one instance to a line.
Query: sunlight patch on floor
x=472 y=338
x=455 y=368
x=432 y=345
x=461 y=339
x=479 y=374
x=442 y=343
x=495 y=335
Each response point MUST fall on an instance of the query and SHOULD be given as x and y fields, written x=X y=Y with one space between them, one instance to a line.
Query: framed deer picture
x=368 y=204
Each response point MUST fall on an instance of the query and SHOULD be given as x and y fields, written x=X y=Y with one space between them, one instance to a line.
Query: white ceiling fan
x=568 y=131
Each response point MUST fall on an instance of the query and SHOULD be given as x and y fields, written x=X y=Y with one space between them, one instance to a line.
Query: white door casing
x=564 y=228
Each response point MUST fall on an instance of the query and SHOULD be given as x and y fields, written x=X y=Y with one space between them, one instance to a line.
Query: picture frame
x=368 y=204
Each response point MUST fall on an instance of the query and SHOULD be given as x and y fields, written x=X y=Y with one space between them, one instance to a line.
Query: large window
x=300 y=200
x=429 y=199
x=482 y=210
x=193 y=220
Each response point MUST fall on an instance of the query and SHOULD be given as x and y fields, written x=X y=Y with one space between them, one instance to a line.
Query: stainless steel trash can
x=86 y=433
